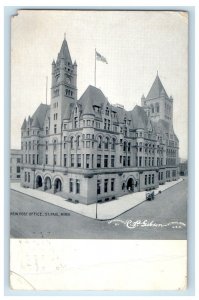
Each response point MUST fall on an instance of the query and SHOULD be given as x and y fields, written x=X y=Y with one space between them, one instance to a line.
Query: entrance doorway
x=58 y=185
x=130 y=185
x=38 y=182
x=48 y=183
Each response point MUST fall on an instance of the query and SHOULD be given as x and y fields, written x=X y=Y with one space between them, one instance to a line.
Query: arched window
x=72 y=142
x=78 y=141
x=124 y=146
x=113 y=144
x=106 y=143
x=99 y=142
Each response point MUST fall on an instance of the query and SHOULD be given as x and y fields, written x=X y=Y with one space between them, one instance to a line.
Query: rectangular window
x=145 y=161
x=29 y=159
x=18 y=160
x=33 y=159
x=129 y=161
x=112 y=184
x=71 y=185
x=98 y=161
x=46 y=159
x=29 y=145
x=87 y=161
x=79 y=160
x=152 y=179
x=124 y=161
x=28 y=177
x=120 y=159
x=105 y=161
x=105 y=185
x=149 y=178
x=55 y=128
x=65 y=160
x=98 y=187
x=152 y=161
x=18 y=170
x=77 y=186
x=87 y=144
x=25 y=176
x=88 y=123
x=112 y=161
x=161 y=175
x=26 y=159
x=149 y=161
x=46 y=145
x=140 y=161
x=55 y=159
x=72 y=160
x=145 y=180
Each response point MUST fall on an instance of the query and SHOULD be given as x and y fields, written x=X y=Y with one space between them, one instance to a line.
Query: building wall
x=15 y=164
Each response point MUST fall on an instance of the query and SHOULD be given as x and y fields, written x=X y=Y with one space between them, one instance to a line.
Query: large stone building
x=15 y=164
x=88 y=150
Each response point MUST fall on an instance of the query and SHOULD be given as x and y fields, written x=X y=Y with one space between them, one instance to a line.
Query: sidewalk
x=105 y=211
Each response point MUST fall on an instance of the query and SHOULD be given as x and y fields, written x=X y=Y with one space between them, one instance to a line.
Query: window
x=157 y=107
x=33 y=159
x=140 y=161
x=77 y=186
x=145 y=180
x=37 y=158
x=149 y=178
x=75 y=122
x=106 y=143
x=88 y=144
x=105 y=185
x=98 y=187
x=46 y=159
x=46 y=130
x=18 y=160
x=71 y=185
x=18 y=170
x=112 y=184
x=129 y=147
x=25 y=176
x=120 y=159
x=29 y=156
x=72 y=142
x=65 y=160
x=105 y=161
x=46 y=145
x=145 y=161
x=54 y=145
x=152 y=179
x=79 y=160
x=161 y=175
x=72 y=160
x=54 y=159
x=124 y=161
x=105 y=123
x=55 y=128
x=98 y=161
x=26 y=158
x=152 y=161
x=149 y=161
x=87 y=161
x=78 y=141
x=29 y=145
x=129 y=161
x=124 y=146
x=109 y=124
x=88 y=122
x=113 y=144
x=28 y=177
x=112 y=161
x=99 y=142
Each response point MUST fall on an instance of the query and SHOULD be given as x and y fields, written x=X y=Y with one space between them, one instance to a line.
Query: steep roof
x=92 y=97
x=35 y=122
x=24 y=124
x=40 y=114
x=68 y=110
x=157 y=89
x=64 y=52
x=139 y=118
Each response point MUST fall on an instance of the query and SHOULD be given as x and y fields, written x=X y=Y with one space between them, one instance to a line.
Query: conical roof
x=64 y=52
x=24 y=124
x=157 y=89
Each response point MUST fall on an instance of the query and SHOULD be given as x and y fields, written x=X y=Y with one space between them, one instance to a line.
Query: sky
x=135 y=44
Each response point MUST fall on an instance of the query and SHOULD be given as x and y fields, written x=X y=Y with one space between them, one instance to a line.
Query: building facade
x=15 y=164
x=88 y=150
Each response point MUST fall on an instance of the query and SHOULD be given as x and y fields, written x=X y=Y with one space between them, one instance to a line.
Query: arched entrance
x=57 y=185
x=38 y=182
x=130 y=185
x=47 y=183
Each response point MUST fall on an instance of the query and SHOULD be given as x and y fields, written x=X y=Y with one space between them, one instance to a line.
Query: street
x=162 y=218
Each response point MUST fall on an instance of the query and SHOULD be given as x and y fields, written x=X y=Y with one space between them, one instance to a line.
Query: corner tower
x=63 y=87
x=158 y=104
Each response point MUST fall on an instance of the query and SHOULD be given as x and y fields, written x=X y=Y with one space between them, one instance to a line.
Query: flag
x=101 y=58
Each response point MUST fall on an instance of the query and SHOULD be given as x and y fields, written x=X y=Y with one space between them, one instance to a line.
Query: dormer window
x=107 y=112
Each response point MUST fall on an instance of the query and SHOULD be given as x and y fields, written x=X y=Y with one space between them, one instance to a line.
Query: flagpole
x=95 y=69
x=46 y=89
